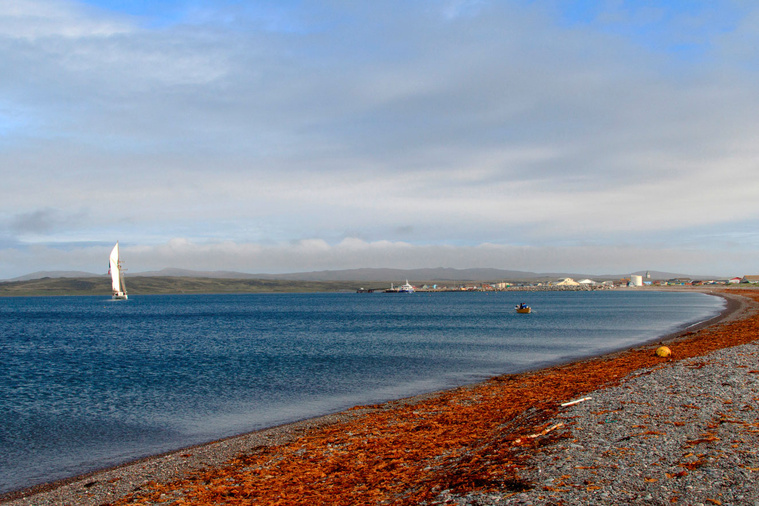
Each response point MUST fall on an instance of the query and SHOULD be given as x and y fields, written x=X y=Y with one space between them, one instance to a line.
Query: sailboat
x=117 y=276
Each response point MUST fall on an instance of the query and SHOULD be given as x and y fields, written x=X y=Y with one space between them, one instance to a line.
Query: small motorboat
x=523 y=308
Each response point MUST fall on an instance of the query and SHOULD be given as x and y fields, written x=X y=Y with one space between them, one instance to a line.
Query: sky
x=596 y=137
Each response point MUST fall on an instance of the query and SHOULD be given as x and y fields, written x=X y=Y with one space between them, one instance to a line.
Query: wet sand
x=403 y=452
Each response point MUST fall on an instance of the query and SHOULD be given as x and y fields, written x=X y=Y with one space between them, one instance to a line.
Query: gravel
x=685 y=432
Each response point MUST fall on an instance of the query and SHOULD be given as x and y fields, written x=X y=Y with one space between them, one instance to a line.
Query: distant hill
x=461 y=275
x=381 y=275
x=55 y=274
x=57 y=286
x=430 y=274
x=156 y=285
x=173 y=272
x=389 y=275
x=442 y=274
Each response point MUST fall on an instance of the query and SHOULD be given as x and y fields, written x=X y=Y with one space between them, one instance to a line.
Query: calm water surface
x=86 y=382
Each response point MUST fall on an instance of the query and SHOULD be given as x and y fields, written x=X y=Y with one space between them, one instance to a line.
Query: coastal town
x=634 y=281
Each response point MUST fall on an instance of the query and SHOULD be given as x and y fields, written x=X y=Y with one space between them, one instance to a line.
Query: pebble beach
x=677 y=430
x=686 y=433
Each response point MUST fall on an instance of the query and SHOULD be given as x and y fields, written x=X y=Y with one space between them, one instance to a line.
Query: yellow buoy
x=663 y=351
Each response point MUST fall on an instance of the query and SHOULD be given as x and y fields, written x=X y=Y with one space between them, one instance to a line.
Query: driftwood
x=578 y=401
x=546 y=431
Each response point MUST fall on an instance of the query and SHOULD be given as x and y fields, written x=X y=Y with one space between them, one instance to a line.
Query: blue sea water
x=86 y=382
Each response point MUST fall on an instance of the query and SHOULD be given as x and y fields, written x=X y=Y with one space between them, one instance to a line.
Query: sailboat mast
x=121 y=280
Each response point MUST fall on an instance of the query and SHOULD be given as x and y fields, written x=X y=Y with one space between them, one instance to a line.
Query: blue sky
x=596 y=137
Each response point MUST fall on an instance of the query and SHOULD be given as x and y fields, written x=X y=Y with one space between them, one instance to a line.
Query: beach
x=505 y=441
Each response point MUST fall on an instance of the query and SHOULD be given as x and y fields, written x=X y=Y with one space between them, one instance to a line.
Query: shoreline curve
x=110 y=484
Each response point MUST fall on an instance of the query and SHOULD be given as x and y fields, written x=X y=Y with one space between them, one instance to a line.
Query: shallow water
x=86 y=382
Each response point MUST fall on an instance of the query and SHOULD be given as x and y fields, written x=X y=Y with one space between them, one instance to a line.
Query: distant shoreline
x=177 y=285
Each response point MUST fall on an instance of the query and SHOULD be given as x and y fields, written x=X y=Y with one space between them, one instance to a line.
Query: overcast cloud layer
x=296 y=136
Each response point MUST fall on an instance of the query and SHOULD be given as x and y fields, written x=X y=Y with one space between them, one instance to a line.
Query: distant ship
x=407 y=288
x=117 y=275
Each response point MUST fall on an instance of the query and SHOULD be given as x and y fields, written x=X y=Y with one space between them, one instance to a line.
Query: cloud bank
x=300 y=136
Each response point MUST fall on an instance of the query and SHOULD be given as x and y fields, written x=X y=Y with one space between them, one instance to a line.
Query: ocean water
x=86 y=382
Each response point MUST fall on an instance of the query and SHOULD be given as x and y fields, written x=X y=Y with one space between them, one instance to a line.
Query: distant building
x=750 y=279
x=636 y=280
x=568 y=282
x=734 y=280
x=587 y=282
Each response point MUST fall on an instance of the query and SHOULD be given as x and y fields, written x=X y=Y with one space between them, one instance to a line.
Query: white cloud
x=421 y=127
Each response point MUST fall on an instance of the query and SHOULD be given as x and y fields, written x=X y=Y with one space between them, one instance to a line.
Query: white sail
x=117 y=277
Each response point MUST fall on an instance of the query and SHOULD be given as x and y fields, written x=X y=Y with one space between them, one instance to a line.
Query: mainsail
x=117 y=276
